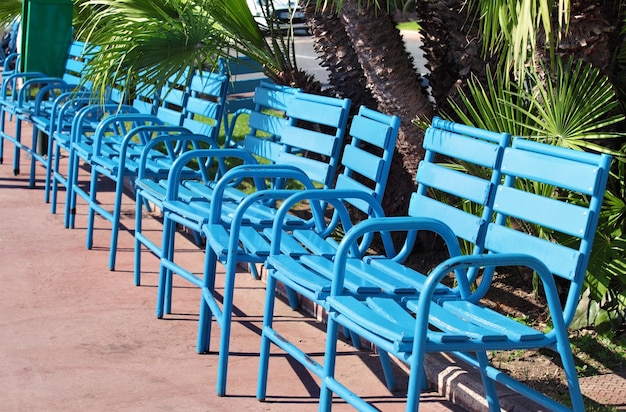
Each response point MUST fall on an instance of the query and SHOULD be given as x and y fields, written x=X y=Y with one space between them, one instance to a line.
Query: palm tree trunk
x=334 y=49
x=396 y=86
x=452 y=47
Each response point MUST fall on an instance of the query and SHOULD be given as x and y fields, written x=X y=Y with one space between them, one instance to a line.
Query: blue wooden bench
x=494 y=185
x=306 y=114
x=195 y=107
x=235 y=231
x=266 y=121
x=76 y=140
x=36 y=96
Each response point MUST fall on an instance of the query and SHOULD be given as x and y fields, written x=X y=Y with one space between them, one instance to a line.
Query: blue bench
x=36 y=96
x=113 y=150
x=266 y=121
x=236 y=230
x=306 y=114
x=407 y=313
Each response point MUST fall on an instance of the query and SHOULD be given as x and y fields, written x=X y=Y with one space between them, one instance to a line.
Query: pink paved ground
x=75 y=336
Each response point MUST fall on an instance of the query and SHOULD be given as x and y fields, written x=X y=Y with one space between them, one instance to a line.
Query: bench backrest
x=205 y=103
x=313 y=136
x=459 y=196
x=267 y=119
x=535 y=213
x=144 y=99
x=171 y=98
x=245 y=75
x=366 y=160
x=78 y=56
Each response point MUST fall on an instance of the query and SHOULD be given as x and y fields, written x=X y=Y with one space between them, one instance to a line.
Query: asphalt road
x=307 y=59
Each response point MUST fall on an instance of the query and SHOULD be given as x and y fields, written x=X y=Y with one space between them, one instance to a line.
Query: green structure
x=46 y=35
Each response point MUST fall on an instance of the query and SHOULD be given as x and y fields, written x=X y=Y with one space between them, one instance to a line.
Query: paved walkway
x=75 y=336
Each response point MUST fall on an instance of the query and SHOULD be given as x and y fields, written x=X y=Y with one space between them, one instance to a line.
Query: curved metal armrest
x=397 y=224
x=45 y=84
x=12 y=78
x=65 y=91
x=465 y=262
x=336 y=198
x=231 y=125
x=82 y=117
x=70 y=101
x=178 y=166
x=175 y=131
x=167 y=139
x=258 y=172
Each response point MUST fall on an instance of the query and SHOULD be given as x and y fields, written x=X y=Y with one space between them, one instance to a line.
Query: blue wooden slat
x=274 y=97
x=288 y=244
x=388 y=284
x=563 y=217
x=202 y=107
x=457 y=323
x=406 y=275
x=480 y=152
x=174 y=97
x=488 y=318
x=560 y=259
x=462 y=129
x=564 y=173
x=353 y=283
x=317 y=171
x=199 y=127
x=272 y=125
x=318 y=109
x=309 y=279
x=363 y=162
x=75 y=66
x=170 y=116
x=314 y=243
x=206 y=83
x=309 y=140
x=255 y=243
x=263 y=148
x=454 y=182
x=391 y=310
x=370 y=130
x=351 y=308
x=465 y=225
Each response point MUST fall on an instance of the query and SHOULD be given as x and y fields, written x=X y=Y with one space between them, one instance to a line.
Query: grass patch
x=409 y=26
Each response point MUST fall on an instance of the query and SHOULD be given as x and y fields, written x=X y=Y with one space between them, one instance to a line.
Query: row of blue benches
x=505 y=203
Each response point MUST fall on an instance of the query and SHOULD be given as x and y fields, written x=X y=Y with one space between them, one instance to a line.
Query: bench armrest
x=336 y=198
x=399 y=224
x=176 y=172
x=82 y=119
x=465 y=262
x=64 y=92
x=230 y=126
x=176 y=140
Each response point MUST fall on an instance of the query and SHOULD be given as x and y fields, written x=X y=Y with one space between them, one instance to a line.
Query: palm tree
x=452 y=46
x=9 y=9
x=167 y=36
x=336 y=53
x=396 y=86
